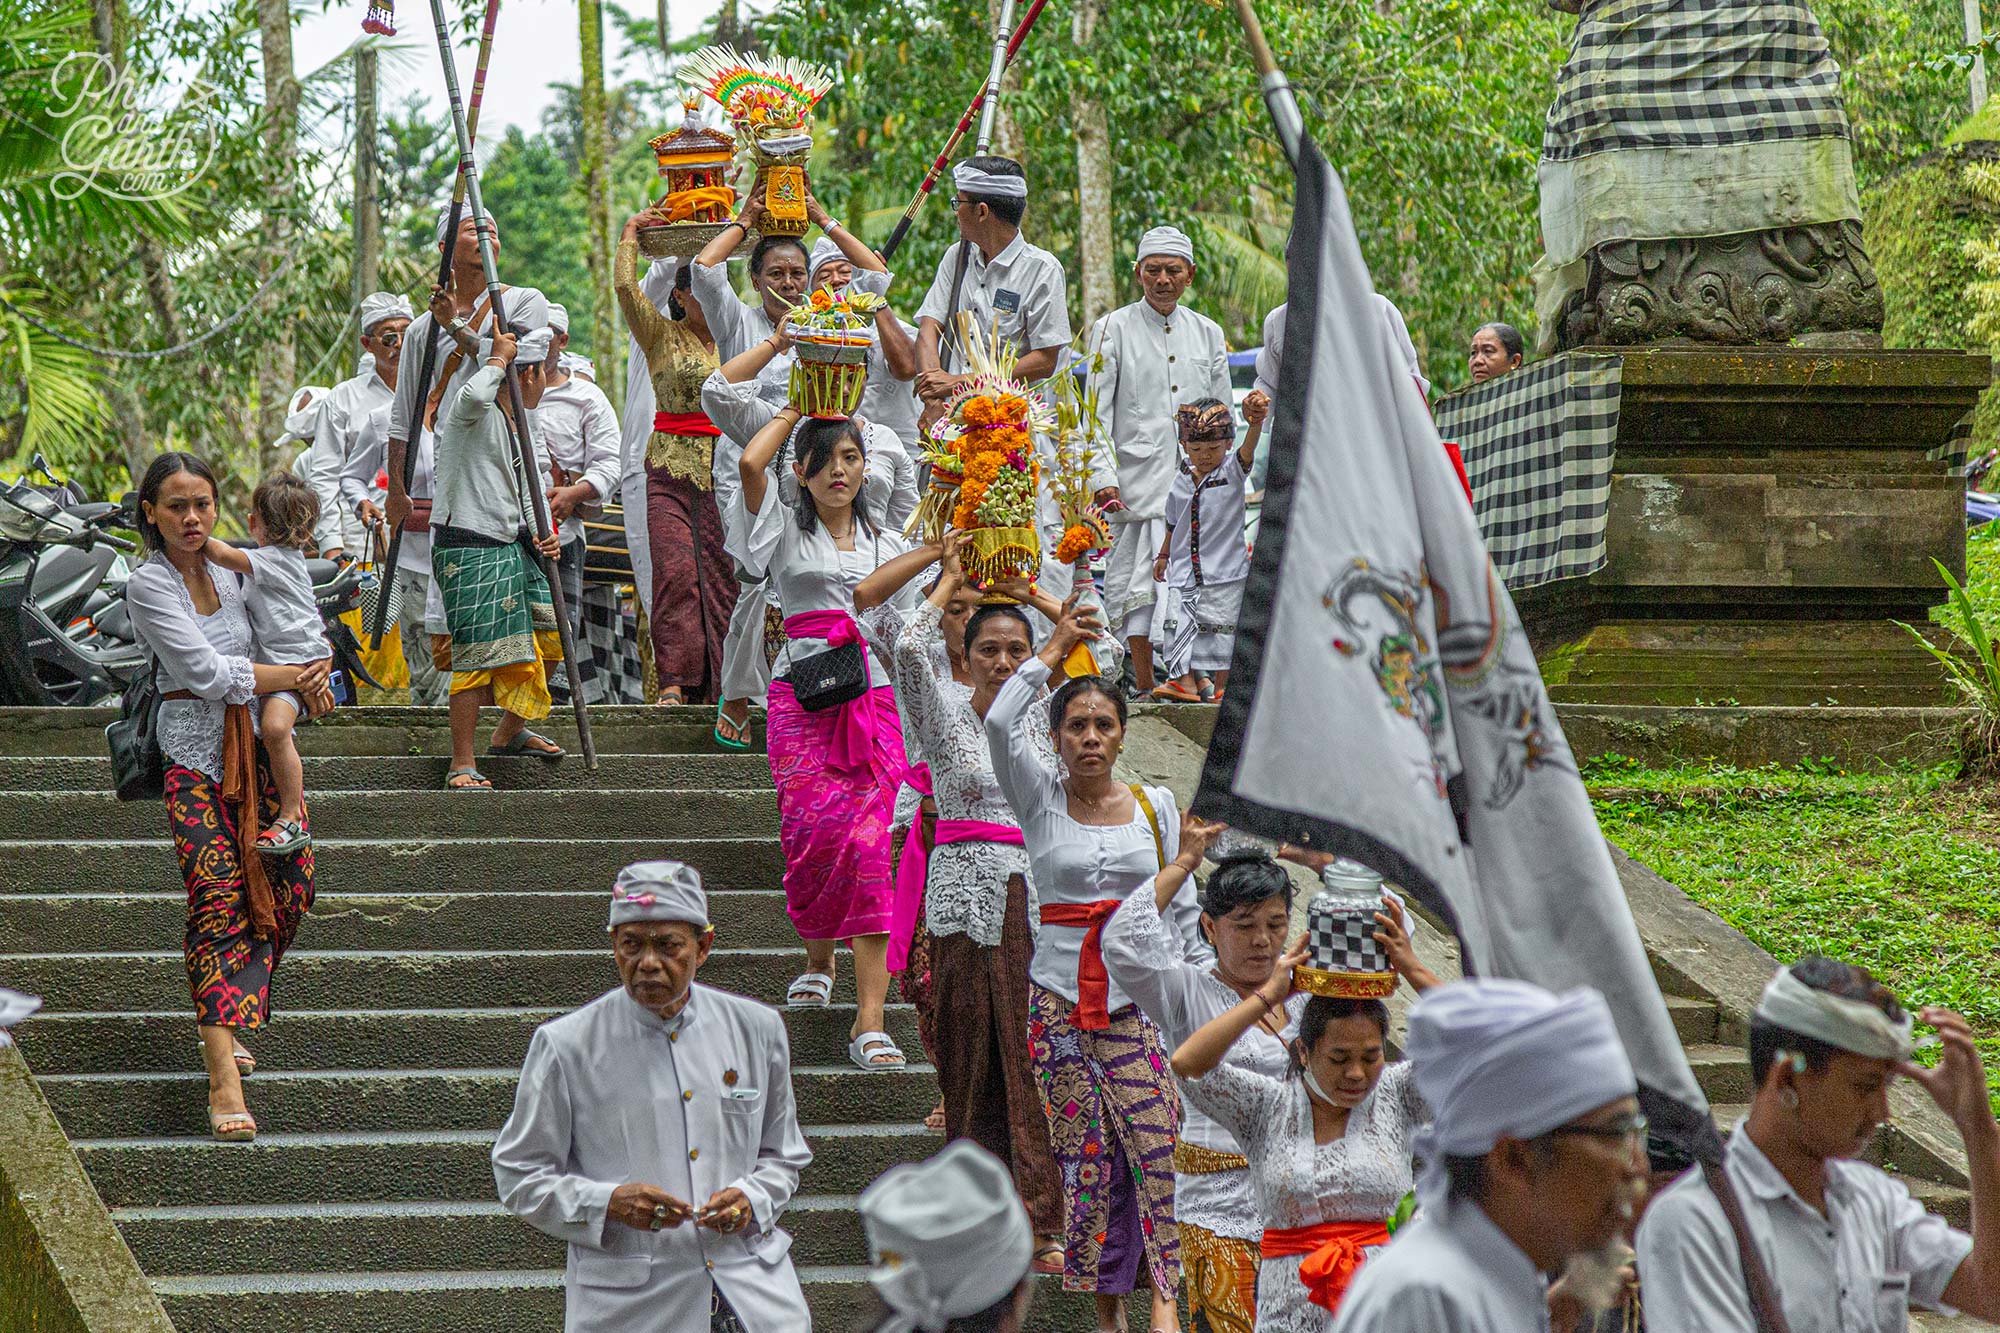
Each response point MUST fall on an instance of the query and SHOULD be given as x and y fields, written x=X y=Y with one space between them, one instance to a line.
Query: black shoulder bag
x=835 y=677
x=138 y=767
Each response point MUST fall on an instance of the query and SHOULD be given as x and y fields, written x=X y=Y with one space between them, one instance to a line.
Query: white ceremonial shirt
x=635 y=432
x=1271 y=356
x=1449 y=1271
x=1153 y=363
x=1207 y=519
x=1857 y=1269
x=341 y=412
x=737 y=326
x=574 y=425
x=368 y=461
x=613 y=1094
x=1073 y=862
x=1021 y=289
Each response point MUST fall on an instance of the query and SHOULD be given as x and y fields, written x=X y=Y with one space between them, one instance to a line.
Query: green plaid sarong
x=495 y=598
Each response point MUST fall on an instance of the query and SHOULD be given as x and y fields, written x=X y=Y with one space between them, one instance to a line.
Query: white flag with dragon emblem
x=1383 y=703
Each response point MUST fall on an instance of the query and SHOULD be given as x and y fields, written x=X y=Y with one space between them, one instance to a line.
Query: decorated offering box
x=831 y=337
x=1344 y=960
x=770 y=101
x=695 y=161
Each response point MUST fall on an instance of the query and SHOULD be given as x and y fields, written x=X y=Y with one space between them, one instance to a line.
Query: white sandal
x=812 y=990
x=867 y=1050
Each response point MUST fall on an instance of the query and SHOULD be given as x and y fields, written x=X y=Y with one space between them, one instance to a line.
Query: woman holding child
x=243 y=906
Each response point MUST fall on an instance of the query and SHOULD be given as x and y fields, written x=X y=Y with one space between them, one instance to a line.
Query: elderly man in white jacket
x=654 y=1131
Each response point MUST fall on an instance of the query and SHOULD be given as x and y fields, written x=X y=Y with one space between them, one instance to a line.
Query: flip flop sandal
x=934 y=1122
x=232 y=1126
x=1048 y=1258
x=479 y=782
x=812 y=990
x=246 y=1063
x=1175 y=692
x=742 y=730
x=285 y=836
x=524 y=744
x=868 y=1050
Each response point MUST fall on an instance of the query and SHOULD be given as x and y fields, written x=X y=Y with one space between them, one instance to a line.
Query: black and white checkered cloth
x=1342 y=941
x=1693 y=73
x=608 y=653
x=1537 y=446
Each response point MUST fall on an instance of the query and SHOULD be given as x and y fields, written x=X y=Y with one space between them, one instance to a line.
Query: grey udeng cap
x=658 y=891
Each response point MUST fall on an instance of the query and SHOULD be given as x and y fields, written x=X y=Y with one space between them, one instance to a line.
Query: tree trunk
x=596 y=146
x=666 y=52
x=277 y=364
x=1094 y=248
x=367 y=199
x=728 y=28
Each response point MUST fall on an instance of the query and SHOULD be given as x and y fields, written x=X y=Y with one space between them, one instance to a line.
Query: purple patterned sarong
x=1112 y=1110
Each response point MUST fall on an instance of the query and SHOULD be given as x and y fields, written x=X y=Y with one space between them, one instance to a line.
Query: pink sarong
x=911 y=868
x=833 y=821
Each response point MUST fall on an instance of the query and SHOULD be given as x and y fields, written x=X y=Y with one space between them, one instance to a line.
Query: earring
x=1788 y=1099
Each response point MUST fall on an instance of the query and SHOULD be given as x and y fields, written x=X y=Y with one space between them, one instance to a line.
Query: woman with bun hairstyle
x=1245 y=909
x=1327 y=1140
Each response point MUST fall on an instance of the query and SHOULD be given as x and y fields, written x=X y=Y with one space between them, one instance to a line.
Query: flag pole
x=524 y=443
x=427 y=368
x=979 y=101
x=1763 y=1294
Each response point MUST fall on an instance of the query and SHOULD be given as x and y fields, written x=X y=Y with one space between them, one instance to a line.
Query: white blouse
x=1359 y=1177
x=966 y=890
x=209 y=656
x=809 y=572
x=1142 y=954
x=889 y=478
x=1075 y=862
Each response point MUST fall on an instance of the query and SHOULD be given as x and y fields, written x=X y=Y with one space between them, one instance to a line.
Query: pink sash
x=914 y=865
x=854 y=732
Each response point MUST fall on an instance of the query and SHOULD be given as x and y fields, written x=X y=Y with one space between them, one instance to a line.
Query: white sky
x=535 y=43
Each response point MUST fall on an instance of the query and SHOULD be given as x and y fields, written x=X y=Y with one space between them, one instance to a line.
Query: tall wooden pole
x=595 y=144
x=367 y=203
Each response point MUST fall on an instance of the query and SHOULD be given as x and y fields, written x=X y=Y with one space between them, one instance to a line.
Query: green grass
x=1898 y=872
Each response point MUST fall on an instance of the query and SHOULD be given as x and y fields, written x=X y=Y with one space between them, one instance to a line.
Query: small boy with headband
x=1205 y=560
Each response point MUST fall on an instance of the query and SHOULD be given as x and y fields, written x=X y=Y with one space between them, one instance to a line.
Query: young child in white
x=1204 y=560
x=284 y=617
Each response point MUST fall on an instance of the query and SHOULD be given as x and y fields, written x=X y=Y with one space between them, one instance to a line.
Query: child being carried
x=1204 y=561
x=284 y=616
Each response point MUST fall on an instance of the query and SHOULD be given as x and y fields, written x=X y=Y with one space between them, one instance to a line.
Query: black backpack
x=138 y=768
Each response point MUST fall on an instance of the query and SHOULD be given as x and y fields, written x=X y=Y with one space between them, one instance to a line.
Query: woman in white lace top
x=243 y=907
x=1245 y=912
x=1328 y=1142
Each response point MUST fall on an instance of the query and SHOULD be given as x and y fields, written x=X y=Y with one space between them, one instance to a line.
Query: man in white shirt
x=1154 y=358
x=1535 y=1155
x=1847 y=1247
x=362 y=493
x=654 y=1131
x=578 y=432
x=890 y=399
x=1014 y=292
x=385 y=319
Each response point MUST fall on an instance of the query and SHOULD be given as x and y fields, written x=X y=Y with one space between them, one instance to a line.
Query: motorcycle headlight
x=27 y=515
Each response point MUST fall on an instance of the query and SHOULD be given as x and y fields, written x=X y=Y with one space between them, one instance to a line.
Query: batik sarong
x=229 y=969
x=694 y=585
x=1112 y=1110
x=1219 y=1276
x=980 y=993
x=834 y=823
x=502 y=621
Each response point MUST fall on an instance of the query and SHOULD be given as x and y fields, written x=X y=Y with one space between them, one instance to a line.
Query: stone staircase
x=448 y=926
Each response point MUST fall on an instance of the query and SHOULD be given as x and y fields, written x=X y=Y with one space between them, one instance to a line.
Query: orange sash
x=239 y=788
x=1333 y=1253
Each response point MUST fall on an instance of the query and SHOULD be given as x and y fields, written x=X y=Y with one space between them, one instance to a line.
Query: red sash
x=1333 y=1255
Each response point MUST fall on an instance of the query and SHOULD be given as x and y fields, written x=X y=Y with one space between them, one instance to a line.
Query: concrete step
x=518 y=1301
x=499 y=919
x=391 y=979
x=1722 y=1071
x=417 y=815
x=1694 y=1020
x=419 y=1237
x=407 y=1164
x=742 y=858
x=352 y=1039
x=425 y=772
x=104 y=1106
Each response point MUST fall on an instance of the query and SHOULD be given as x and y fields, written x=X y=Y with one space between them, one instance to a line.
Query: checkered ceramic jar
x=1343 y=960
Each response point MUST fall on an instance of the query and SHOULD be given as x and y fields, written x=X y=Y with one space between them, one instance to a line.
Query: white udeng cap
x=974 y=181
x=947 y=1237
x=378 y=306
x=1167 y=241
x=658 y=891
x=558 y=317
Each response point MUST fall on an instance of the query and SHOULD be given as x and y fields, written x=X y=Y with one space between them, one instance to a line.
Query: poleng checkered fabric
x=1338 y=940
x=1693 y=73
x=1537 y=446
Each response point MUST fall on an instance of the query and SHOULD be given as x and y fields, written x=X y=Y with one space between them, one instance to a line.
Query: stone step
x=518 y=1301
x=499 y=919
x=105 y=1106
x=747 y=858
x=406 y=1164
x=389 y=979
x=425 y=772
x=1695 y=1021
x=1722 y=1071
x=418 y=815
x=1679 y=693
x=418 y=1237
x=352 y=1039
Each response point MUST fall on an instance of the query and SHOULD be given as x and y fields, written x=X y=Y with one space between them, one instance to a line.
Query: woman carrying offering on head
x=243 y=906
x=1092 y=841
x=1328 y=1141
x=836 y=767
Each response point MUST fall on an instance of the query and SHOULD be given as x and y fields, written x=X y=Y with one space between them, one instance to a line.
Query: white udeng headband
x=1848 y=1025
x=974 y=181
